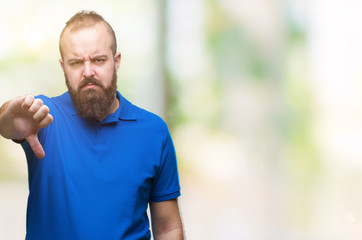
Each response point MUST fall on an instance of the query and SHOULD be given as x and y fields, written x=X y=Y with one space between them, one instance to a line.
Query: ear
x=117 y=60
x=61 y=63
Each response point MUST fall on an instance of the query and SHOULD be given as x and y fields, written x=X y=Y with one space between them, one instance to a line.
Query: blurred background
x=262 y=98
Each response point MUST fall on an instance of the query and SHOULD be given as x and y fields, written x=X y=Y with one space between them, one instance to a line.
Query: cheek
x=105 y=74
x=72 y=79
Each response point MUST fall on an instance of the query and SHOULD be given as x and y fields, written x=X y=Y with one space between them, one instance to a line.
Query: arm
x=166 y=220
x=22 y=118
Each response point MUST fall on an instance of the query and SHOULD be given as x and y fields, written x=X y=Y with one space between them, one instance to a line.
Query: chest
x=121 y=153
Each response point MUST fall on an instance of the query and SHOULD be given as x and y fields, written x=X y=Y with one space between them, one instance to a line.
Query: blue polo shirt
x=97 y=179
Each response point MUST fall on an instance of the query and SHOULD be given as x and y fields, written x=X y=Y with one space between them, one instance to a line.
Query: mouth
x=89 y=86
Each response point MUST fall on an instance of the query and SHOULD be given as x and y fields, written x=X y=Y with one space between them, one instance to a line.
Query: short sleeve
x=166 y=185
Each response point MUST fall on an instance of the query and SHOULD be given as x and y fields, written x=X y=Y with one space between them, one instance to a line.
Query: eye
x=75 y=63
x=99 y=60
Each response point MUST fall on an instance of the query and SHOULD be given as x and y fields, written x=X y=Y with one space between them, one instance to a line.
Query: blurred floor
x=13 y=198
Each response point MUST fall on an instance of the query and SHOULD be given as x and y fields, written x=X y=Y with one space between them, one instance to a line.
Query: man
x=95 y=161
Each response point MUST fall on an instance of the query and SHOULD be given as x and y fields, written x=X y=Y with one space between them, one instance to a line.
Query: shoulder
x=146 y=115
x=131 y=111
x=143 y=117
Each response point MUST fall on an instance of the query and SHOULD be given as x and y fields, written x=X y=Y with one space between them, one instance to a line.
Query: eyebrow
x=99 y=56
x=92 y=58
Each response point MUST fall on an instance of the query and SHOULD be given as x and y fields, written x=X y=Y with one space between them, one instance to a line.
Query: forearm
x=166 y=220
x=173 y=234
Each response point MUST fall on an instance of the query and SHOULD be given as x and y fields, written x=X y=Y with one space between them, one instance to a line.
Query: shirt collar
x=125 y=111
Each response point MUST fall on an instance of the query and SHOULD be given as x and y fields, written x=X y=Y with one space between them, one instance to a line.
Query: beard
x=93 y=104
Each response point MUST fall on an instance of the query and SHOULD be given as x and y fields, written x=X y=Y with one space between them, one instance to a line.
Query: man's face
x=90 y=69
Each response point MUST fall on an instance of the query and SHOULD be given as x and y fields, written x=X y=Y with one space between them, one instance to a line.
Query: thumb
x=36 y=146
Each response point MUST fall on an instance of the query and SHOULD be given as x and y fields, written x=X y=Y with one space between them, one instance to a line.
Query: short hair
x=84 y=19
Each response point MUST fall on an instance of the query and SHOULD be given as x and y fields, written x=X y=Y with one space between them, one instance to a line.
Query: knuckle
x=26 y=101
x=38 y=102
x=29 y=99
x=45 y=108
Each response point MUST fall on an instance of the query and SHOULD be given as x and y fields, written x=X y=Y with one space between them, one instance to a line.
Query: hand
x=29 y=115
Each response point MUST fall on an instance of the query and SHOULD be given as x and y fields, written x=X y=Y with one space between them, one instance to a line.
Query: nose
x=88 y=70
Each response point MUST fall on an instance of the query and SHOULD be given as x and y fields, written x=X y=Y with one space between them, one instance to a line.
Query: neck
x=114 y=106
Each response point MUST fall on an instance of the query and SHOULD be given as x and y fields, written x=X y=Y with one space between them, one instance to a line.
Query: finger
x=41 y=113
x=36 y=146
x=27 y=102
x=46 y=121
x=35 y=106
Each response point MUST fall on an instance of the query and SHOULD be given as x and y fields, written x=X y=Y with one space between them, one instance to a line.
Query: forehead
x=86 y=41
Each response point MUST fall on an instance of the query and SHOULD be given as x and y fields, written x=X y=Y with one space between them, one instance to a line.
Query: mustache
x=91 y=80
